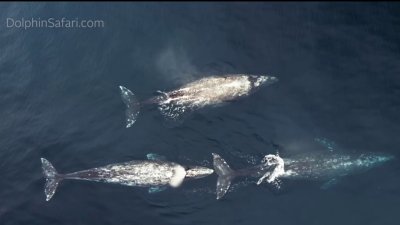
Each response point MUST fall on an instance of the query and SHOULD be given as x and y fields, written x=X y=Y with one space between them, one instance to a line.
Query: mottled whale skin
x=139 y=173
x=208 y=91
x=328 y=165
x=320 y=166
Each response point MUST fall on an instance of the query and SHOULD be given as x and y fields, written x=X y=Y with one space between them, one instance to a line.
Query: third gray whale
x=319 y=166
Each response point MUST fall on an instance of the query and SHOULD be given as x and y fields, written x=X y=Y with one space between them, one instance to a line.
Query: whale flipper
x=154 y=156
x=225 y=175
x=162 y=93
x=52 y=178
x=330 y=183
x=153 y=190
x=328 y=144
x=132 y=106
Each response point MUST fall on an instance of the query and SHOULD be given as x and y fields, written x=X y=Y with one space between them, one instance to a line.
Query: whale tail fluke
x=52 y=178
x=132 y=106
x=225 y=175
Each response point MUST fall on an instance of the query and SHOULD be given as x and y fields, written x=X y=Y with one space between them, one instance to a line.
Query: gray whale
x=175 y=105
x=155 y=173
x=323 y=166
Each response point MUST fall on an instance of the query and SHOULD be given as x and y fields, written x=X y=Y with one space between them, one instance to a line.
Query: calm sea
x=338 y=66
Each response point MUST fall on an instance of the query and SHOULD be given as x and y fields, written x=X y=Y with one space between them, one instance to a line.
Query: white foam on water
x=271 y=177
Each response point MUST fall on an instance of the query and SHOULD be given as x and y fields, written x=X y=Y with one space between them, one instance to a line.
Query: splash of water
x=278 y=165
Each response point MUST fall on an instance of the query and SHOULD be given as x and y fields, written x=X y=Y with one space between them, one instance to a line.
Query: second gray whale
x=208 y=91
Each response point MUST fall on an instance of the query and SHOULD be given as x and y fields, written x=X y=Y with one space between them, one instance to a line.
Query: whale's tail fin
x=225 y=175
x=132 y=106
x=52 y=178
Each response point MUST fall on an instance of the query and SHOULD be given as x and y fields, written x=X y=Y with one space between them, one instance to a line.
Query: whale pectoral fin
x=330 y=183
x=266 y=175
x=162 y=93
x=153 y=190
x=154 y=156
x=328 y=144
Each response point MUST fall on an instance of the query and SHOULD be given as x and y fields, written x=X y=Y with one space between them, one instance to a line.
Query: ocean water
x=338 y=66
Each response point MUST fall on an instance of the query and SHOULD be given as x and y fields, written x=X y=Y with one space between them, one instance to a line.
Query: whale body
x=327 y=166
x=209 y=91
x=311 y=166
x=154 y=173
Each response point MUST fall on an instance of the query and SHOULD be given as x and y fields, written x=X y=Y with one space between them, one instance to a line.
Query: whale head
x=196 y=172
x=261 y=80
x=374 y=159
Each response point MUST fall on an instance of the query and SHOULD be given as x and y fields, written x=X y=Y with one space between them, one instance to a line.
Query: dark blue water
x=339 y=77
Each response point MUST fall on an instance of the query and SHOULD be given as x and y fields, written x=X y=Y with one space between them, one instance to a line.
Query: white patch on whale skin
x=178 y=176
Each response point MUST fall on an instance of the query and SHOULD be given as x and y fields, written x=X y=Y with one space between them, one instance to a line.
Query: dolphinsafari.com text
x=28 y=23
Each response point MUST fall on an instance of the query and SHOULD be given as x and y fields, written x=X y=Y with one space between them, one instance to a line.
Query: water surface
x=338 y=67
